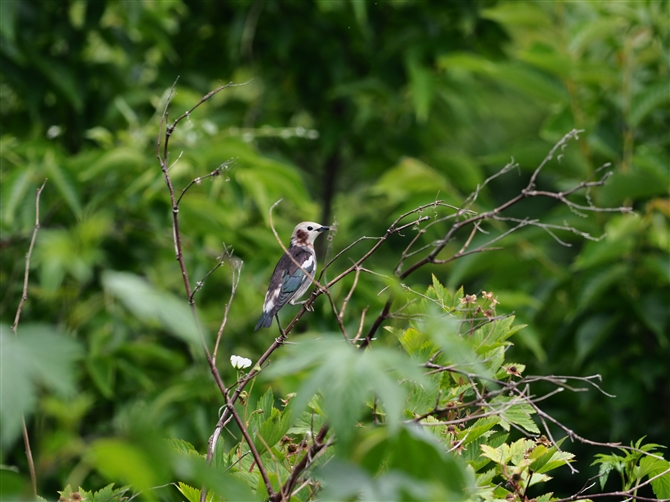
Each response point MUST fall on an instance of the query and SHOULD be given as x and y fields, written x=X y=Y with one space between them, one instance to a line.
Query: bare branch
x=17 y=317
x=215 y=173
x=236 y=271
x=26 y=274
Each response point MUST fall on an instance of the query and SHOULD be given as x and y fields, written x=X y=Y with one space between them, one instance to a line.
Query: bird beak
x=323 y=229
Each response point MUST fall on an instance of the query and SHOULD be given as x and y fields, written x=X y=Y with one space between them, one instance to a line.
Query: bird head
x=306 y=232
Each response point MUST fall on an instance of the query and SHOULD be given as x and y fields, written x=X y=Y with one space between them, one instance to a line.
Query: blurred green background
x=354 y=113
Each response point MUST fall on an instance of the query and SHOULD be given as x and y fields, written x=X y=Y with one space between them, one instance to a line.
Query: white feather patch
x=270 y=299
x=308 y=263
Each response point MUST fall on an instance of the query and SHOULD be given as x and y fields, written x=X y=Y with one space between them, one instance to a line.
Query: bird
x=289 y=281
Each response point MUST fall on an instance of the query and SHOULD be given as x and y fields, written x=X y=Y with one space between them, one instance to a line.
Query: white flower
x=239 y=363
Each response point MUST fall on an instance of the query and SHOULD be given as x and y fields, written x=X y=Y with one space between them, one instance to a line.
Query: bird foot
x=308 y=307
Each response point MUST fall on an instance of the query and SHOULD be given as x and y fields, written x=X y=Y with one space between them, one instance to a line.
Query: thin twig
x=26 y=274
x=17 y=317
x=236 y=269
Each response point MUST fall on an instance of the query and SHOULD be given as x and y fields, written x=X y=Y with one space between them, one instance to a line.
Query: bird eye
x=310 y=228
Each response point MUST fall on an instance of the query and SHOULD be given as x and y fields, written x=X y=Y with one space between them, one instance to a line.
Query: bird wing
x=288 y=281
x=293 y=277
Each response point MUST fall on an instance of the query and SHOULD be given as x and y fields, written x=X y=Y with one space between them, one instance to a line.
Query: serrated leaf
x=651 y=466
x=106 y=494
x=414 y=342
x=479 y=428
x=517 y=413
x=493 y=334
x=547 y=459
x=263 y=409
x=191 y=494
x=38 y=356
x=272 y=430
x=182 y=446
x=498 y=455
x=347 y=378
x=603 y=473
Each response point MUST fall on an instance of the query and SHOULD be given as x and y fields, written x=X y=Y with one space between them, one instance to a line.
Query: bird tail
x=265 y=321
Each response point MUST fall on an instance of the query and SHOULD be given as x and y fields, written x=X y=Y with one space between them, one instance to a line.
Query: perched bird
x=289 y=282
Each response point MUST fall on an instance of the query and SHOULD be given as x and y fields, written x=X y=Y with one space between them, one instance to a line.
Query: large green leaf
x=347 y=378
x=152 y=305
x=39 y=356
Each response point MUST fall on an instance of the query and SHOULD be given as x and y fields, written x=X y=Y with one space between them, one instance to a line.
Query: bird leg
x=282 y=336
x=308 y=307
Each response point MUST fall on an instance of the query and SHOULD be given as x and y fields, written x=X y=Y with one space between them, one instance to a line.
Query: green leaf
x=410 y=462
x=115 y=161
x=17 y=186
x=651 y=466
x=263 y=408
x=8 y=15
x=421 y=88
x=409 y=178
x=64 y=182
x=651 y=98
x=347 y=378
x=515 y=412
x=479 y=428
x=152 y=305
x=457 y=350
x=530 y=82
x=191 y=494
x=594 y=30
x=182 y=446
x=272 y=430
x=498 y=455
x=106 y=494
x=415 y=342
x=492 y=335
x=418 y=454
x=39 y=356
x=103 y=372
x=591 y=333
x=547 y=459
x=518 y=14
x=121 y=459
x=441 y=293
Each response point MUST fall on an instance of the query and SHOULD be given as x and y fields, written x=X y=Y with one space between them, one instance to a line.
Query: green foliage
x=428 y=100
x=348 y=379
x=637 y=464
x=417 y=440
x=39 y=357
x=108 y=493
